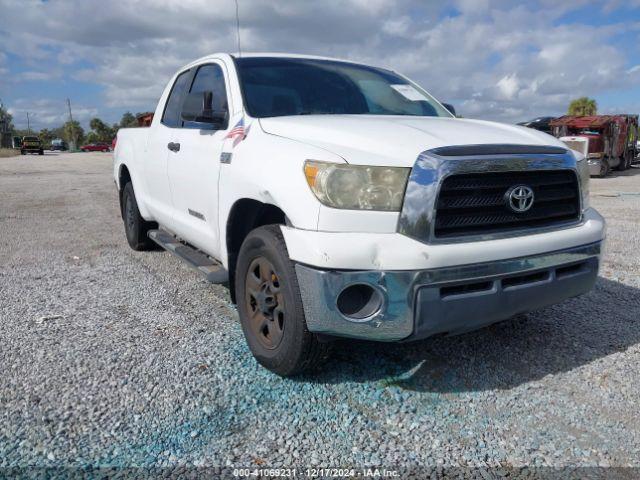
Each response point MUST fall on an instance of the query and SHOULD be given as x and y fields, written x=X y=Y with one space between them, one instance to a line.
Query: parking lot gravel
x=113 y=358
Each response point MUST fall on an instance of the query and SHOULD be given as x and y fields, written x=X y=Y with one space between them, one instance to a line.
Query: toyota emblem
x=519 y=198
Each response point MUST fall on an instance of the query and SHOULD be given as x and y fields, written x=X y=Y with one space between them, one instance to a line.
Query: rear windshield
x=31 y=139
x=275 y=87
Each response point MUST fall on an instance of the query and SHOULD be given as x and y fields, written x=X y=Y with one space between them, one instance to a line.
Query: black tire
x=22 y=152
x=297 y=350
x=41 y=152
x=135 y=227
x=605 y=168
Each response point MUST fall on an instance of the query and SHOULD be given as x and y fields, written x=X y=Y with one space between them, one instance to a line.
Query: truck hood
x=396 y=140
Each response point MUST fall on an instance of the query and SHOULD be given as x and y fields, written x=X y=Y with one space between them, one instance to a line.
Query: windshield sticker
x=410 y=93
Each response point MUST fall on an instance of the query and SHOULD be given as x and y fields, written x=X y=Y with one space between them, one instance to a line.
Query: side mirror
x=198 y=107
x=450 y=107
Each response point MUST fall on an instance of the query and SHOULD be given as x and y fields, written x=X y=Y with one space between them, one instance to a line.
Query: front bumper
x=419 y=303
x=595 y=166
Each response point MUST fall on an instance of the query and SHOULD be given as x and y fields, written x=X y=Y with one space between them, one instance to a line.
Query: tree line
x=73 y=133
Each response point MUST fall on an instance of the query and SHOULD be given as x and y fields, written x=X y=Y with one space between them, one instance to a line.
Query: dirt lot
x=110 y=357
x=8 y=152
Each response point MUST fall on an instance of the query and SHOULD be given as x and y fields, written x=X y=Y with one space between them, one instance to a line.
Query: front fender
x=270 y=170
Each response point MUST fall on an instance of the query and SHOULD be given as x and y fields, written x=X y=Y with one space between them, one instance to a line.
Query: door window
x=210 y=78
x=173 y=108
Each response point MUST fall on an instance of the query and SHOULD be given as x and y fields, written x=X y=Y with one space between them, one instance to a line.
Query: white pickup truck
x=342 y=200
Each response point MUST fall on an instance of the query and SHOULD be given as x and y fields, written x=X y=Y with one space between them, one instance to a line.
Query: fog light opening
x=359 y=301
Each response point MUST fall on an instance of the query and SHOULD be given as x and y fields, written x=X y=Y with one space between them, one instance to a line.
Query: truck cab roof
x=230 y=56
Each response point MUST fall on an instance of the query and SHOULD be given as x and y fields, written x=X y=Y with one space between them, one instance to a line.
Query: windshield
x=31 y=139
x=274 y=87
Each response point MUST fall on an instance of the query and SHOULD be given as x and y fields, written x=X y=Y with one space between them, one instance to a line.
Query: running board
x=211 y=269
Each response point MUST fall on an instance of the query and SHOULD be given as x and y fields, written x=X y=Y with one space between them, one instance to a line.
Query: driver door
x=194 y=166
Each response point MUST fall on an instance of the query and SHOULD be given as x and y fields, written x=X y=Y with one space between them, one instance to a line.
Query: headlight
x=357 y=187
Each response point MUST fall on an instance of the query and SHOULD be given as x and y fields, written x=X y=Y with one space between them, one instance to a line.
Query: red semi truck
x=607 y=141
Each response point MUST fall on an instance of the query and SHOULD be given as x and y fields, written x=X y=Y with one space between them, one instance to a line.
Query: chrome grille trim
x=417 y=217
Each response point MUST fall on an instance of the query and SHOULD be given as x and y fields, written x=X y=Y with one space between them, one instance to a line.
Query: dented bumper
x=416 y=304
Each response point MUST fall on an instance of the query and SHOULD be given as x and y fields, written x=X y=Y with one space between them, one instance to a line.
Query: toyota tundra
x=338 y=199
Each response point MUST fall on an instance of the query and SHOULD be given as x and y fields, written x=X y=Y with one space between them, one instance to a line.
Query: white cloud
x=497 y=59
x=400 y=26
x=508 y=86
x=39 y=76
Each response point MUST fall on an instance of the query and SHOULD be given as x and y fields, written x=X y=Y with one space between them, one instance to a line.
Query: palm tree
x=583 y=106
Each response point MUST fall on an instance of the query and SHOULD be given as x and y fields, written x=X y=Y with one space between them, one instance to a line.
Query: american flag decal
x=237 y=131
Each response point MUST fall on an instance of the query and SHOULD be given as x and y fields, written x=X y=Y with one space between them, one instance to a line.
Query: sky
x=501 y=60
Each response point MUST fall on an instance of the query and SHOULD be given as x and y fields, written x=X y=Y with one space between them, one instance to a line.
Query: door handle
x=174 y=147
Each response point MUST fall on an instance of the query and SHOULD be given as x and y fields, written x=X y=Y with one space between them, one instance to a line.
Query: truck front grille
x=579 y=146
x=477 y=204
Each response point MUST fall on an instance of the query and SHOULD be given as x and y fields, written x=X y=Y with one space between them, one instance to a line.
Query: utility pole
x=69 y=106
x=4 y=127
x=72 y=140
x=28 y=123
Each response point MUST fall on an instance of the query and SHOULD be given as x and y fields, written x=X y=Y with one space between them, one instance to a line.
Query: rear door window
x=173 y=108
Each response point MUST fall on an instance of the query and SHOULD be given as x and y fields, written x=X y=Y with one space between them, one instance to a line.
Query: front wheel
x=270 y=306
x=605 y=168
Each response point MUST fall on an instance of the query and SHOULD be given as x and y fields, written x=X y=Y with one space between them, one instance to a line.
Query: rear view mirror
x=198 y=107
x=450 y=107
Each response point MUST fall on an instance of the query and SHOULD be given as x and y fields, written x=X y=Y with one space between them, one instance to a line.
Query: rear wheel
x=628 y=159
x=135 y=227
x=22 y=152
x=41 y=152
x=270 y=306
x=622 y=166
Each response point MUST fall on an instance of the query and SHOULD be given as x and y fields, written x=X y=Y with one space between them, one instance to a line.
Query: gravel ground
x=112 y=358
